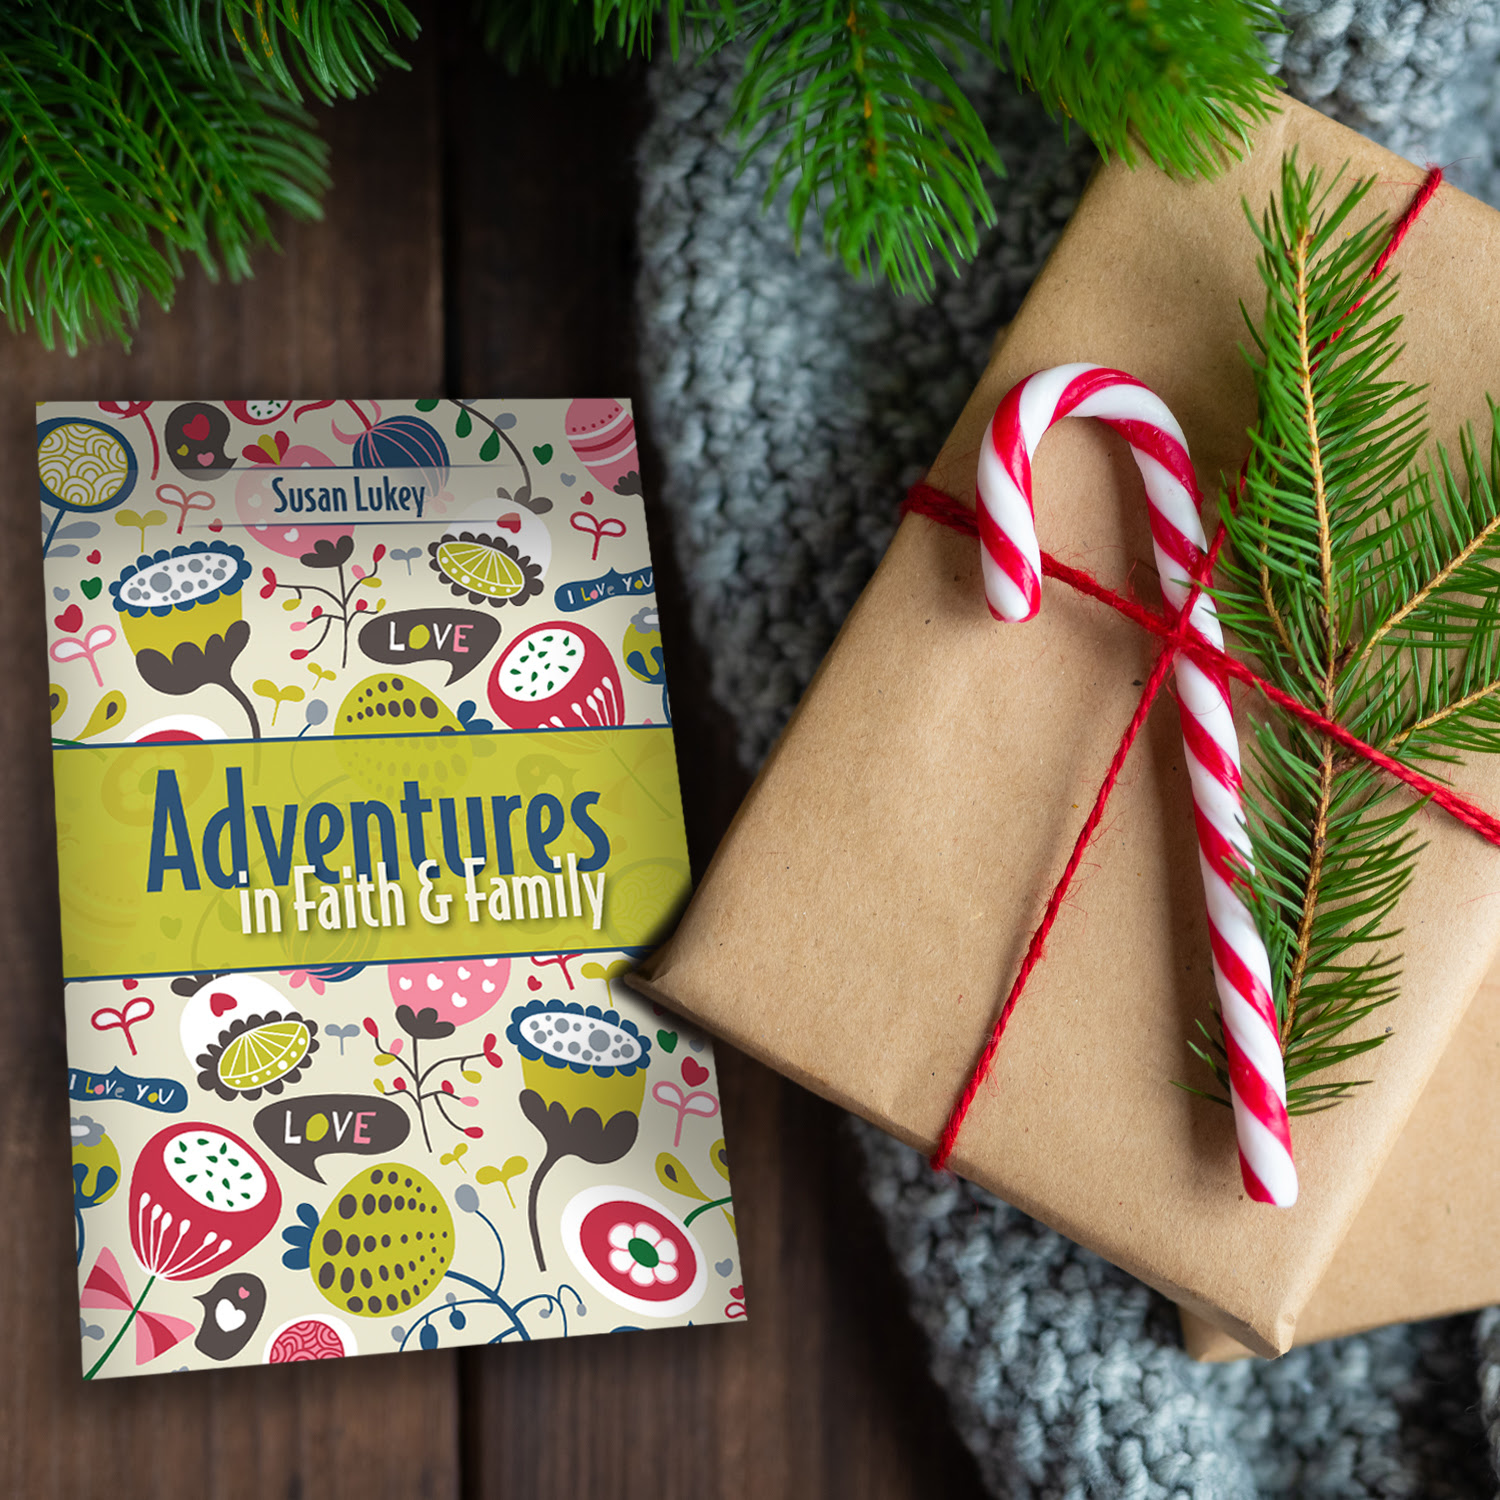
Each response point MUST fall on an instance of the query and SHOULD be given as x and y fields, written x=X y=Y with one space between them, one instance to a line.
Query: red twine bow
x=1172 y=628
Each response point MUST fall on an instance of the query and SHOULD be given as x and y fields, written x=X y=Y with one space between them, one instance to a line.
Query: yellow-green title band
x=297 y=854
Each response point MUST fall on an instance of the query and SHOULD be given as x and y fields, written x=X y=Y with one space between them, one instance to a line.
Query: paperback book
x=366 y=799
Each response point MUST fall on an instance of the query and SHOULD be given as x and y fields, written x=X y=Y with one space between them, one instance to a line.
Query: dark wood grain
x=352 y=306
x=822 y=1392
x=479 y=241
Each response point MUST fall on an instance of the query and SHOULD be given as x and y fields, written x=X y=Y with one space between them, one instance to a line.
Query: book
x=366 y=798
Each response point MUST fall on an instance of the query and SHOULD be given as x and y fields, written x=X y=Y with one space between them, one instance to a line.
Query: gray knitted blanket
x=793 y=407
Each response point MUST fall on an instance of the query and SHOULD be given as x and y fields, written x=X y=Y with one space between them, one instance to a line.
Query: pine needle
x=1363 y=581
x=136 y=136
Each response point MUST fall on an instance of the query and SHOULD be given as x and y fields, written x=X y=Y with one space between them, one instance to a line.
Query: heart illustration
x=219 y=1002
x=512 y=522
x=543 y=453
x=723 y=1267
x=182 y=451
x=693 y=1073
x=228 y=1316
x=197 y=429
x=667 y=1040
x=61 y=594
x=216 y=526
x=737 y=1291
x=94 y=558
x=586 y=498
x=205 y=460
x=91 y=587
x=697 y=1045
x=533 y=983
x=69 y=620
x=568 y=479
x=171 y=926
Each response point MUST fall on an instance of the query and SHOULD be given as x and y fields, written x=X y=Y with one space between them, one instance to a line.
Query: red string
x=923 y=499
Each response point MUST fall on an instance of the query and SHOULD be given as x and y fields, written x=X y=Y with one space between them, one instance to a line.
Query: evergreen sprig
x=331 y=47
x=135 y=136
x=1363 y=581
x=138 y=133
x=858 y=100
x=1178 y=79
x=861 y=106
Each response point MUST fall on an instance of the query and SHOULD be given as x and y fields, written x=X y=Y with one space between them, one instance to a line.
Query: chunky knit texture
x=792 y=408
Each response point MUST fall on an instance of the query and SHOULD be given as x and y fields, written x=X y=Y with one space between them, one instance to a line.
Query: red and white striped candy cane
x=1012 y=566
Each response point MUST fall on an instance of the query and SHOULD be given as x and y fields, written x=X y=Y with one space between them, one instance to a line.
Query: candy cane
x=1012 y=565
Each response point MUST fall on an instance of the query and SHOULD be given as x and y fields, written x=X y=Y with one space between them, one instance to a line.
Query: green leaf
x=491 y=448
x=465 y=424
x=427 y=404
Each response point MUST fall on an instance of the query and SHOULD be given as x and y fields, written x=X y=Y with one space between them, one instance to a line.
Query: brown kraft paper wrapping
x=1424 y=1243
x=866 y=913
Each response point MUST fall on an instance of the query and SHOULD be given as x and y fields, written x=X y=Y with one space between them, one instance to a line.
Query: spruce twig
x=1364 y=582
x=136 y=134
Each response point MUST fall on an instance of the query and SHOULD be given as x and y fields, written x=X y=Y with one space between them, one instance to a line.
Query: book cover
x=366 y=797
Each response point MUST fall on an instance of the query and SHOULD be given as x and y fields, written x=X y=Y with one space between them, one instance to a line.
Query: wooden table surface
x=478 y=241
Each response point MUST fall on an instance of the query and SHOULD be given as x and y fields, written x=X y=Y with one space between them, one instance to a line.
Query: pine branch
x=329 y=47
x=144 y=131
x=869 y=126
x=136 y=136
x=118 y=165
x=1179 y=80
x=1365 y=585
x=597 y=36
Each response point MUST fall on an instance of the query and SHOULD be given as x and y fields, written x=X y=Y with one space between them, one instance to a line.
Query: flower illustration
x=630 y=1248
x=383 y=1244
x=258 y=1053
x=643 y=1253
x=584 y=1070
x=454 y=992
x=582 y=1039
x=192 y=666
x=187 y=592
x=200 y=1198
x=485 y=569
x=328 y=553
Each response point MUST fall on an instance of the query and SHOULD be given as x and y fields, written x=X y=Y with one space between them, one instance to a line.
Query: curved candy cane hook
x=1012 y=565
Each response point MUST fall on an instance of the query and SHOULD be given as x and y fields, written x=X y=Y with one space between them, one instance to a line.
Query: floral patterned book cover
x=366 y=797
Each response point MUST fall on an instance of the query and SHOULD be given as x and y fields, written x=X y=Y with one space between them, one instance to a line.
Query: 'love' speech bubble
x=460 y=637
x=299 y=1131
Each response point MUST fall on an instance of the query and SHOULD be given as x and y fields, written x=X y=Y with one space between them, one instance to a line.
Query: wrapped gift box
x=867 y=910
x=1423 y=1245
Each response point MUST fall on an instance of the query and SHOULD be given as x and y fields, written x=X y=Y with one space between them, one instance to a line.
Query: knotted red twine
x=1190 y=637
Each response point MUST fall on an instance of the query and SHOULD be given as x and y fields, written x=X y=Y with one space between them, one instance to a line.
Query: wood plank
x=352 y=307
x=823 y=1391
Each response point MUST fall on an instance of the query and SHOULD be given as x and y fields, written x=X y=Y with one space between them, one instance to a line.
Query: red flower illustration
x=199 y=1199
